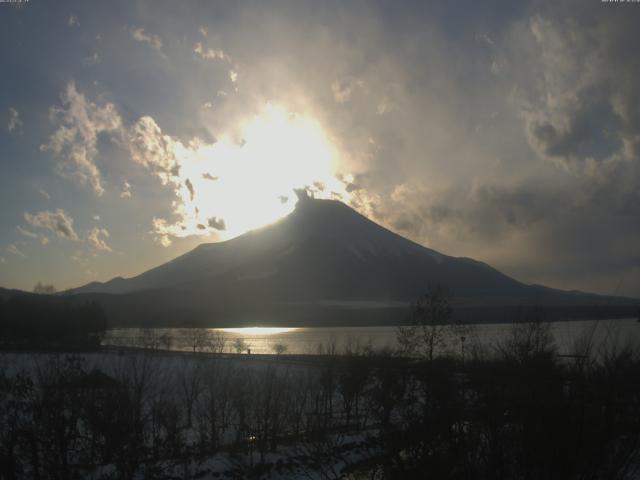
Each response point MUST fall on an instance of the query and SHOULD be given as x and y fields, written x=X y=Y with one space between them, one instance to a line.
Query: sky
x=508 y=132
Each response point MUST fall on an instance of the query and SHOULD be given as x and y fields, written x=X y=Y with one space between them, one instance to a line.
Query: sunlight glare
x=258 y=330
x=250 y=183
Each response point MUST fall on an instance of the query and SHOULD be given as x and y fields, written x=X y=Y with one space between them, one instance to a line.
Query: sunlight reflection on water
x=313 y=340
x=258 y=330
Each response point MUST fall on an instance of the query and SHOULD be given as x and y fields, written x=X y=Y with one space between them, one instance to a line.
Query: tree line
x=512 y=410
x=516 y=411
x=31 y=321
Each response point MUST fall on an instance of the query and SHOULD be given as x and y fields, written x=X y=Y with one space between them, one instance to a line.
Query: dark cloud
x=217 y=223
x=189 y=186
x=579 y=90
x=208 y=176
x=546 y=186
x=564 y=237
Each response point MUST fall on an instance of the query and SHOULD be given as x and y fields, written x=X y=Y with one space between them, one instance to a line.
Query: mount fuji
x=324 y=264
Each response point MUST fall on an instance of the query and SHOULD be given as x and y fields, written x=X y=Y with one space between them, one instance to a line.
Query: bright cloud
x=15 y=122
x=97 y=238
x=149 y=147
x=126 y=190
x=210 y=53
x=151 y=39
x=342 y=90
x=278 y=153
x=58 y=222
x=26 y=233
x=79 y=122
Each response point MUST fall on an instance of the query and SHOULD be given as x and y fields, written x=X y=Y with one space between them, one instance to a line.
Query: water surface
x=311 y=340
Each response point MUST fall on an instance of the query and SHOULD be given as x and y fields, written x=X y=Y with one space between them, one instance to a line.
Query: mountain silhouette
x=322 y=259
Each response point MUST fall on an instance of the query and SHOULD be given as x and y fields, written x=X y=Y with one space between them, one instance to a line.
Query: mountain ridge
x=301 y=225
x=322 y=263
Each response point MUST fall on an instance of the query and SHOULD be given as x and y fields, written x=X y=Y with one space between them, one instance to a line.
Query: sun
x=245 y=181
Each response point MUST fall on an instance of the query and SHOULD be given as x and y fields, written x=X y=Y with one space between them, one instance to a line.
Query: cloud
x=264 y=166
x=79 y=122
x=189 y=186
x=384 y=106
x=185 y=167
x=58 y=222
x=97 y=238
x=26 y=233
x=15 y=251
x=80 y=257
x=485 y=38
x=210 y=53
x=163 y=231
x=14 y=125
x=93 y=59
x=217 y=223
x=535 y=232
x=342 y=90
x=150 y=148
x=44 y=193
x=61 y=223
x=576 y=92
x=515 y=143
x=125 y=193
x=153 y=40
x=73 y=21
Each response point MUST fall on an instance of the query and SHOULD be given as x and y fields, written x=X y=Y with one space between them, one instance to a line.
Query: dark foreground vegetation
x=514 y=411
x=36 y=322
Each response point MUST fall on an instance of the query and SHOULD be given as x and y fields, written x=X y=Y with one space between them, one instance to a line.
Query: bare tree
x=216 y=342
x=44 y=289
x=16 y=419
x=430 y=316
x=166 y=340
x=196 y=339
x=279 y=348
x=528 y=339
x=239 y=345
x=190 y=381
x=150 y=339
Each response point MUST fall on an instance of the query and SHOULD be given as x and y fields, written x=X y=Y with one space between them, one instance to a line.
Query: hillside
x=322 y=260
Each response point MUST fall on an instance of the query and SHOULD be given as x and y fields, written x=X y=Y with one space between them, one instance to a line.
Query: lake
x=313 y=340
